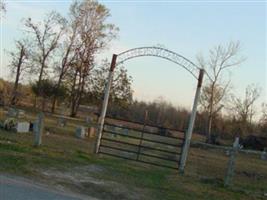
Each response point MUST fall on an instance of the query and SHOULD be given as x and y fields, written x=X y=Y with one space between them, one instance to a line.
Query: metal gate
x=149 y=144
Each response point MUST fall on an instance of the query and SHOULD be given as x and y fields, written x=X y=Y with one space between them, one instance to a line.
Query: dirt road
x=17 y=188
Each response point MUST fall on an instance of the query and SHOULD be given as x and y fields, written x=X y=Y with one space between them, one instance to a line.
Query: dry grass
x=65 y=161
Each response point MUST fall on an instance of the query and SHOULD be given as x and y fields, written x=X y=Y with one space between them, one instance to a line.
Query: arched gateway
x=165 y=54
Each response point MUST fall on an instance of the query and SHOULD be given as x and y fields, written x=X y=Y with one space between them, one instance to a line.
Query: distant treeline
x=162 y=113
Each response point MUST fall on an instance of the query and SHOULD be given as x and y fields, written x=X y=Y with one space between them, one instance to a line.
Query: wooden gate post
x=101 y=119
x=231 y=164
x=191 y=124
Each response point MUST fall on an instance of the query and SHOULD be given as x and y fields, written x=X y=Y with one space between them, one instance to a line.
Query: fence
x=161 y=148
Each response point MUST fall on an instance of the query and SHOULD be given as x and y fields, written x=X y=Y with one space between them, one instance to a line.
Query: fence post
x=142 y=135
x=231 y=163
x=102 y=116
x=38 y=129
x=189 y=131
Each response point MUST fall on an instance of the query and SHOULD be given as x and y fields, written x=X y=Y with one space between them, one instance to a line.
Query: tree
x=68 y=55
x=2 y=6
x=263 y=119
x=121 y=92
x=18 y=66
x=244 y=108
x=45 y=37
x=93 y=35
x=48 y=90
x=215 y=90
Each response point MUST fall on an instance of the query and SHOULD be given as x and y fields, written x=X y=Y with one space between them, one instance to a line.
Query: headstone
x=91 y=131
x=125 y=131
x=23 y=127
x=38 y=128
x=62 y=121
x=88 y=120
x=264 y=154
x=80 y=132
x=21 y=113
x=231 y=163
x=12 y=112
x=113 y=129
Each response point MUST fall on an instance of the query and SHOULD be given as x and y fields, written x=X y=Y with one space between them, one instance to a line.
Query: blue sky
x=188 y=28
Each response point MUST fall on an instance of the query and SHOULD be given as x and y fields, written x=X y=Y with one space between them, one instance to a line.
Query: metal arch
x=161 y=53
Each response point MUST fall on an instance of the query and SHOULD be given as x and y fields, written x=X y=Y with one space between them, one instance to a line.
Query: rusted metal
x=113 y=62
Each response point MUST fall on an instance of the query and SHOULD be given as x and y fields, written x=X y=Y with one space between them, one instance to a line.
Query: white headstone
x=23 y=127
x=264 y=154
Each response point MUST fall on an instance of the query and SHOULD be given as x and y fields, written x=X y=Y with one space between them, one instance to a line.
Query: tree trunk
x=14 y=96
x=210 y=116
x=72 y=96
x=55 y=95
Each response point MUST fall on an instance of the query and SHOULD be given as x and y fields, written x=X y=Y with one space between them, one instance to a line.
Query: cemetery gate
x=153 y=145
x=166 y=54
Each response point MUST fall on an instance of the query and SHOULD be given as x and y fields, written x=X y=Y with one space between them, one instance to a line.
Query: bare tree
x=244 y=109
x=68 y=56
x=220 y=59
x=18 y=66
x=45 y=37
x=2 y=6
x=263 y=119
x=93 y=35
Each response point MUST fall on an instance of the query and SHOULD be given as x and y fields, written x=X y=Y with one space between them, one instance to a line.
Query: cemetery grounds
x=68 y=163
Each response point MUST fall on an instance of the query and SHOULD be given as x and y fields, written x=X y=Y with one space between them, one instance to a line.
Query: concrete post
x=189 y=131
x=231 y=164
x=101 y=119
x=38 y=129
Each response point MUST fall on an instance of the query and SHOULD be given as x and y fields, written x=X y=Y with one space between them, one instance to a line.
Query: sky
x=189 y=28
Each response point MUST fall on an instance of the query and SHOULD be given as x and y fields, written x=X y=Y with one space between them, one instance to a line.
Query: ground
x=69 y=164
x=15 y=188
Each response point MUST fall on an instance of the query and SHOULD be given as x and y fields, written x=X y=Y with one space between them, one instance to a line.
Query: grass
x=60 y=151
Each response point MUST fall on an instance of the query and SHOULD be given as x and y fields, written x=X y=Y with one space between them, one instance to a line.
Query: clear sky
x=186 y=27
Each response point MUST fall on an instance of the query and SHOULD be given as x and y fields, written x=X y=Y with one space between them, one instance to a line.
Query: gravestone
x=231 y=163
x=92 y=132
x=113 y=129
x=23 y=127
x=88 y=120
x=62 y=121
x=12 y=112
x=38 y=128
x=21 y=113
x=125 y=131
x=80 y=132
x=264 y=154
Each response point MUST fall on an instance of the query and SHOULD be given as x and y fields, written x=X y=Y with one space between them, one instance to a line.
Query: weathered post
x=142 y=135
x=38 y=129
x=189 y=131
x=101 y=119
x=231 y=164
